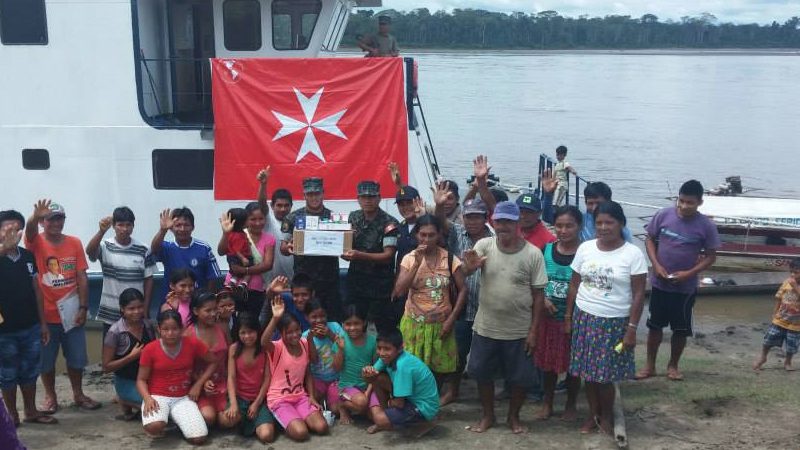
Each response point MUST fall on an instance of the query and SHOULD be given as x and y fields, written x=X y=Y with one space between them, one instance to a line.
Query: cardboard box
x=322 y=242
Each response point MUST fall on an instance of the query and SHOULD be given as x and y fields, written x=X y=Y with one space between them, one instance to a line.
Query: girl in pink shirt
x=291 y=381
x=181 y=287
x=248 y=380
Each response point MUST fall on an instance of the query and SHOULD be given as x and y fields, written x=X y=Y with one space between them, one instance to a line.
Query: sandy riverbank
x=722 y=404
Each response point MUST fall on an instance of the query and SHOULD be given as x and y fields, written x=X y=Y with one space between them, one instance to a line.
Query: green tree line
x=475 y=28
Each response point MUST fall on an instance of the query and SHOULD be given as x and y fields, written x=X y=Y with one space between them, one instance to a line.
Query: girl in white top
x=607 y=287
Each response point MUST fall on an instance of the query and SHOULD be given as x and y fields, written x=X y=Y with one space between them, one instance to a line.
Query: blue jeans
x=73 y=346
x=20 y=353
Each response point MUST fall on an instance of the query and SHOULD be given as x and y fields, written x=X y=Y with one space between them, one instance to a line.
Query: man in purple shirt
x=681 y=243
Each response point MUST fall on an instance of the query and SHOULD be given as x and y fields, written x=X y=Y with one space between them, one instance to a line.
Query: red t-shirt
x=58 y=266
x=172 y=376
x=539 y=236
x=238 y=243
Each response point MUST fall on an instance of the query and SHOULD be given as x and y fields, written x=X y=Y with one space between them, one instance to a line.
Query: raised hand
x=165 y=219
x=263 y=174
x=278 y=308
x=472 y=260
x=549 y=182
x=105 y=223
x=394 y=170
x=480 y=168
x=279 y=284
x=441 y=193
x=226 y=222
x=10 y=235
x=41 y=209
x=419 y=207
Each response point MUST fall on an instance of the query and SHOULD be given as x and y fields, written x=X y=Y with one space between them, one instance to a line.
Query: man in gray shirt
x=383 y=43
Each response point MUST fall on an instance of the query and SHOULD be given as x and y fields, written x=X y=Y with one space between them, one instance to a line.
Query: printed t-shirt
x=788 y=313
x=124 y=266
x=58 y=278
x=122 y=340
x=559 y=274
x=414 y=381
x=429 y=296
x=679 y=242
x=249 y=377
x=171 y=376
x=605 y=289
x=326 y=348
x=197 y=257
x=288 y=374
x=505 y=309
x=356 y=357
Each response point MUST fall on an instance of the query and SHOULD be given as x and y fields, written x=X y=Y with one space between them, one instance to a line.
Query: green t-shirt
x=413 y=381
x=356 y=358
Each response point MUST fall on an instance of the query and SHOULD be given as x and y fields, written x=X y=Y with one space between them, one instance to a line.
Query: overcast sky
x=737 y=11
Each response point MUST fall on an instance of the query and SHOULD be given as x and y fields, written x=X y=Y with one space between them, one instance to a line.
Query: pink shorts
x=350 y=392
x=330 y=390
x=217 y=401
x=285 y=411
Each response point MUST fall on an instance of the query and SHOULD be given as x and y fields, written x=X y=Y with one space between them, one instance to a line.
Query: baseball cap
x=474 y=206
x=506 y=211
x=384 y=20
x=368 y=188
x=529 y=202
x=56 y=210
x=406 y=193
x=312 y=185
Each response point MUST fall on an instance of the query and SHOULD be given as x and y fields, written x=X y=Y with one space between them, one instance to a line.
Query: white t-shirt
x=281 y=264
x=124 y=266
x=605 y=288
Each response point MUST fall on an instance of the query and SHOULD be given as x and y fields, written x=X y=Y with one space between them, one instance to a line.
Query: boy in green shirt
x=407 y=391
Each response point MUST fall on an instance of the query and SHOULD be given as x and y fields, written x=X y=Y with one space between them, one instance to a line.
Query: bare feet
x=484 y=424
x=373 y=429
x=516 y=426
x=447 y=398
x=759 y=363
x=673 y=374
x=788 y=368
x=421 y=429
x=589 y=425
x=645 y=374
x=606 y=427
x=570 y=414
x=344 y=417
x=545 y=412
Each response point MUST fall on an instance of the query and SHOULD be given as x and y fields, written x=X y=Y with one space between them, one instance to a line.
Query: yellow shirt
x=788 y=314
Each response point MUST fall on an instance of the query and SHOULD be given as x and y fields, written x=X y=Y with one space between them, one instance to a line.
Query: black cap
x=406 y=193
x=529 y=202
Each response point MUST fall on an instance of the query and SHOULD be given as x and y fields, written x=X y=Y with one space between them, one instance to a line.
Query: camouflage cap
x=368 y=188
x=312 y=185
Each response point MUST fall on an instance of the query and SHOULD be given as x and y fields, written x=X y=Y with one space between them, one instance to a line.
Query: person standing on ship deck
x=382 y=43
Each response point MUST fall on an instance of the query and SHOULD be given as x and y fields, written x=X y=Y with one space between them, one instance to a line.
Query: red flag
x=342 y=119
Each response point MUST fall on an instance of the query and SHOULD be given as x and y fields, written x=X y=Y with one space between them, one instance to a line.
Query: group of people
x=478 y=285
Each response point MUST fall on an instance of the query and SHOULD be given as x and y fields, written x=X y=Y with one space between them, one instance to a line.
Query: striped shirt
x=457 y=242
x=124 y=266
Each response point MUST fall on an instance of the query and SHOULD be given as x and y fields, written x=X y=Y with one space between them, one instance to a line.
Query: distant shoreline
x=648 y=51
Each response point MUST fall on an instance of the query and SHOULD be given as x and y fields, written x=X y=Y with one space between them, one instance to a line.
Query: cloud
x=736 y=11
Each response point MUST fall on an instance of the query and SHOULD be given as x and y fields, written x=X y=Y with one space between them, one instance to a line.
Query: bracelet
x=633 y=325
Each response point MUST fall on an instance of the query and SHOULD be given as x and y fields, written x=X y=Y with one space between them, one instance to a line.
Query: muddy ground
x=722 y=404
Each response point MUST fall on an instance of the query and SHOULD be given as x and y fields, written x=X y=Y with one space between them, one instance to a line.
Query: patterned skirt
x=422 y=340
x=552 y=346
x=593 y=356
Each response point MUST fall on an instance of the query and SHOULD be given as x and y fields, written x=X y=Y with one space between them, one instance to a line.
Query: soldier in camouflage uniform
x=323 y=270
x=370 y=278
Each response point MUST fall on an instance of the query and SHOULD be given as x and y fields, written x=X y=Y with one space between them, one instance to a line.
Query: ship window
x=242 y=23
x=23 y=22
x=35 y=159
x=293 y=23
x=183 y=169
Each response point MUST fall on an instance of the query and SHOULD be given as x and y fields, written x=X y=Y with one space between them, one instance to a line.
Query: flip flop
x=674 y=375
x=49 y=407
x=41 y=420
x=644 y=374
x=88 y=404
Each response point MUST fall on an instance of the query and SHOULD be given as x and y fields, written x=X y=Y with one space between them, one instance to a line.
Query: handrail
x=546 y=163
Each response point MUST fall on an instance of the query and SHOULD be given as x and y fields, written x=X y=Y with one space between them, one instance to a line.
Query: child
x=324 y=369
x=786 y=319
x=296 y=299
x=359 y=351
x=203 y=326
x=287 y=396
x=226 y=306
x=560 y=171
x=181 y=287
x=248 y=380
x=122 y=348
x=165 y=383
x=239 y=246
x=408 y=394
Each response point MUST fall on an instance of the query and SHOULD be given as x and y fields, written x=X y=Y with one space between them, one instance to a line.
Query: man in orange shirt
x=62 y=280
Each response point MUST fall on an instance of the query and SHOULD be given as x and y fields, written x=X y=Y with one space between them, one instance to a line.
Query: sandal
x=41 y=419
x=49 y=407
x=88 y=404
x=674 y=375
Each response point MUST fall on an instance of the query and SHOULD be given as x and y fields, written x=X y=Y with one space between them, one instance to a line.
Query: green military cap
x=369 y=188
x=312 y=185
